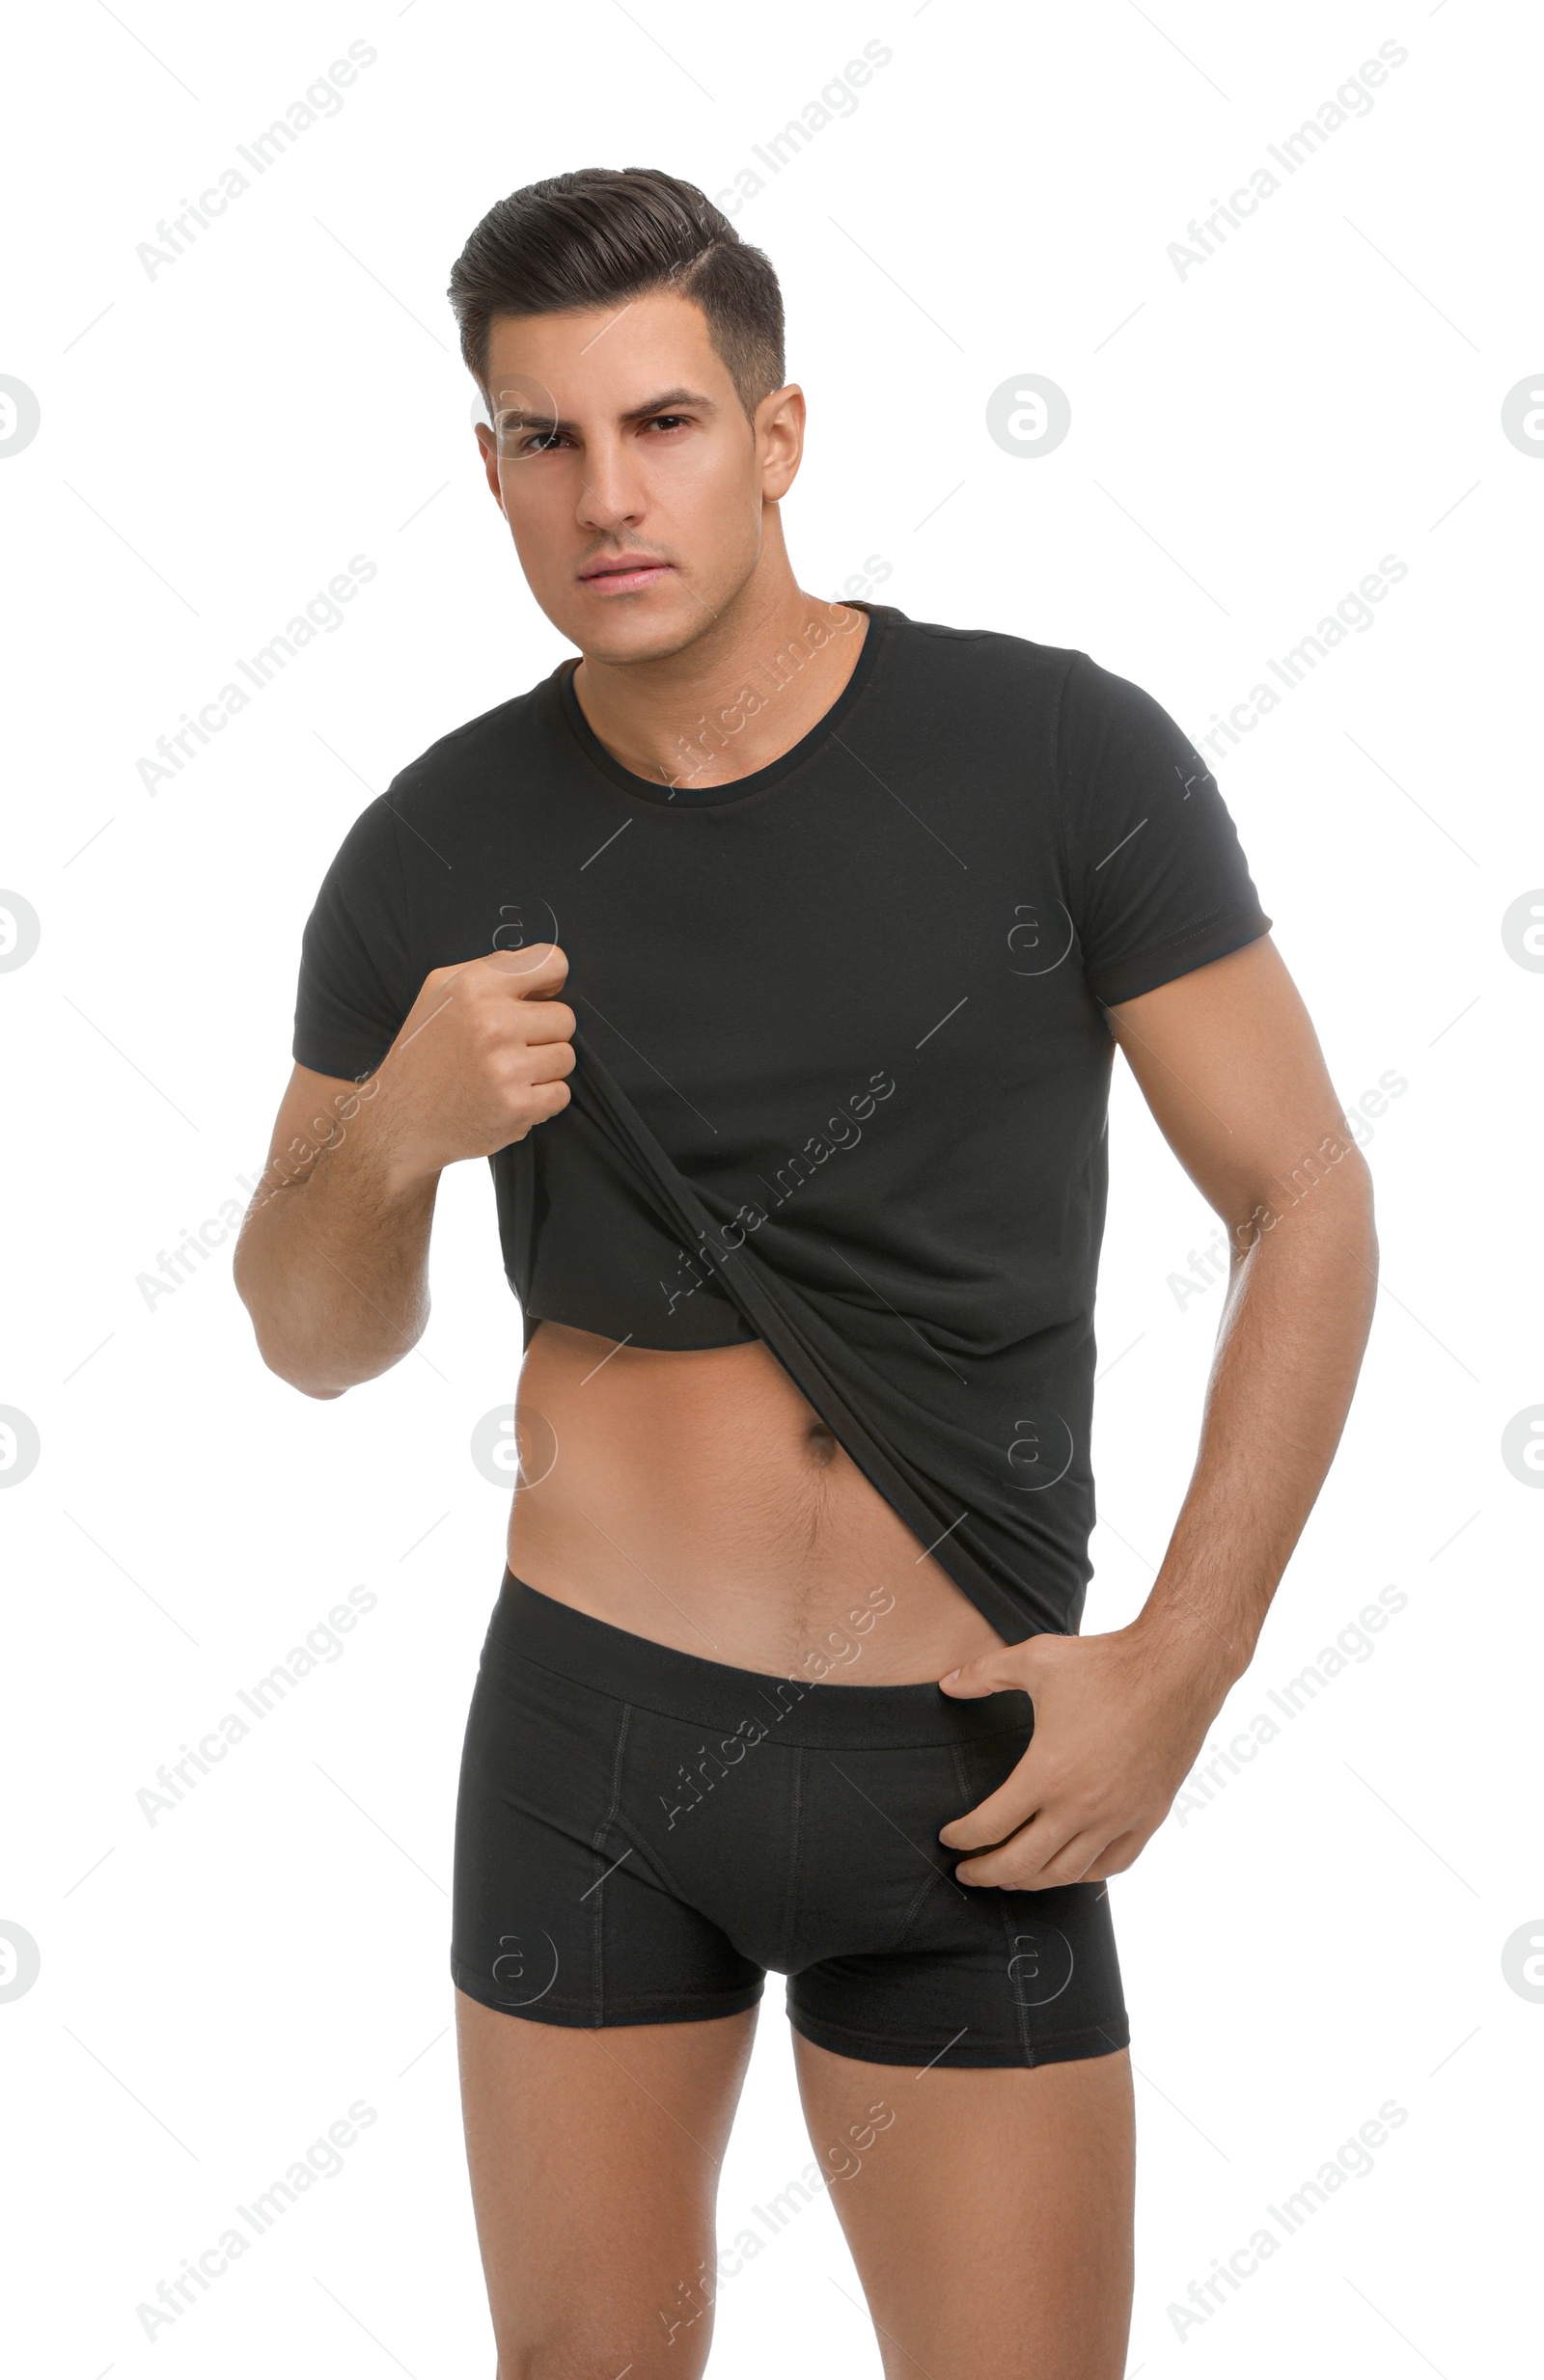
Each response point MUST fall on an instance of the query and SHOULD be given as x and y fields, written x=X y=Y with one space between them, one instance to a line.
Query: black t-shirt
x=842 y=1063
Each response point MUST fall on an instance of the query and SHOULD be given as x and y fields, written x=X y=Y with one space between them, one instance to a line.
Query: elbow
x=283 y=1364
x=285 y=1361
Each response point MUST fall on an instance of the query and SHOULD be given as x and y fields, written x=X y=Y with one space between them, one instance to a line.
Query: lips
x=626 y=574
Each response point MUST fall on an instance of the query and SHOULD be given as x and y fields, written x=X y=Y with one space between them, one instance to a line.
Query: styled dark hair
x=599 y=236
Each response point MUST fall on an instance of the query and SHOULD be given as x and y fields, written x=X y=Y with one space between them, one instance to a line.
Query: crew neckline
x=882 y=616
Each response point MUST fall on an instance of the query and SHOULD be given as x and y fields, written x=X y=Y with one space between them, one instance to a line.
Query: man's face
x=632 y=481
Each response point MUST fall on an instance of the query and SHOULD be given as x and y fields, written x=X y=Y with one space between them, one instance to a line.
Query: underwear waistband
x=529 y=1626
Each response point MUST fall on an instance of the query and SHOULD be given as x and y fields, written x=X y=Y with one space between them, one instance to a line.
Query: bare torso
x=698 y=1499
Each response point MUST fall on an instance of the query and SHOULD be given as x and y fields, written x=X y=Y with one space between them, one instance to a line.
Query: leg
x=594 y=2155
x=991 y=2219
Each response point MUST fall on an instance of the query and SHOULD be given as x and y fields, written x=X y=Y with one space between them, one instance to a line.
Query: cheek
x=544 y=531
x=708 y=502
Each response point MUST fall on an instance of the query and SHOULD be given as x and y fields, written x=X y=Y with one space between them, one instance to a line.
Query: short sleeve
x=1159 y=884
x=356 y=978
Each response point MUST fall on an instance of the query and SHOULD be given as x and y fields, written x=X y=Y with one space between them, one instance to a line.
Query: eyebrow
x=669 y=401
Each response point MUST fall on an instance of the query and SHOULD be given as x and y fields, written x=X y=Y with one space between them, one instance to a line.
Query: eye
x=668 y=420
x=513 y=440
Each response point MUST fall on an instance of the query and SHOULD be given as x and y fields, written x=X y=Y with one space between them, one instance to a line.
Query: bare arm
x=332 y=1263
x=1231 y=1068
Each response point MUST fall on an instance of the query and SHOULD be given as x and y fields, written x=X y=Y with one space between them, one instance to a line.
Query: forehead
x=608 y=357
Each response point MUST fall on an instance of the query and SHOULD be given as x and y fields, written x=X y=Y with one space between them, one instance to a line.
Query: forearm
x=1295 y=1324
x=332 y=1263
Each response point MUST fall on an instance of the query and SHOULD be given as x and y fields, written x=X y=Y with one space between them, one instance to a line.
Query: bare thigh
x=595 y=2158
x=990 y=2218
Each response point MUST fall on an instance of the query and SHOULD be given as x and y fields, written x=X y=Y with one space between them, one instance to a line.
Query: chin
x=616 y=641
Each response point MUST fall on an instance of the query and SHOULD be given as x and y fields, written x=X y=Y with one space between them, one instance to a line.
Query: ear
x=780 y=440
x=488 y=448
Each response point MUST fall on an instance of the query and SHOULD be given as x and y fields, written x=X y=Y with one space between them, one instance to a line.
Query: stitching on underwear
x=792 y=1904
x=601 y=1832
x=1026 y=2029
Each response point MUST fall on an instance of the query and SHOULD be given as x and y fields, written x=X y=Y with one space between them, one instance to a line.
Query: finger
x=549 y=1061
x=1116 y=1857
x=990 y=1673
x=1074 y=1863
x=534 y=972
x=549 y=1020
x=1037 y=1860
x=1016 y=1799
x=1012 y=1863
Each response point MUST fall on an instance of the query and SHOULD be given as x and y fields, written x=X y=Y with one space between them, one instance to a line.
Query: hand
x=483 y=1056
x=1119 y=1720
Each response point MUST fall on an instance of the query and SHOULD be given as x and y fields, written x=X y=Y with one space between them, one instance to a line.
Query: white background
x=218 y=438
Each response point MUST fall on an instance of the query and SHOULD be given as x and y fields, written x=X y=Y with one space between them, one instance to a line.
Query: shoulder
x=1088 y=697
x=1096 y=698
x=456 y=766
x=448 y=791
x=1091 y=707
x=983 y=653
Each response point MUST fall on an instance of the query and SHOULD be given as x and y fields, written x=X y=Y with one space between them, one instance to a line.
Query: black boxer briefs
x=641 y=1834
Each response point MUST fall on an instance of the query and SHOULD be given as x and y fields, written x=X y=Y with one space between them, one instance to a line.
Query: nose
x=611 y=496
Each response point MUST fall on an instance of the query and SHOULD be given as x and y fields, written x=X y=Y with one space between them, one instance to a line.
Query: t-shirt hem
x=319 y=1060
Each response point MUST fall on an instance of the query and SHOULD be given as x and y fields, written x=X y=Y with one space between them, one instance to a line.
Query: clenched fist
x=483 y=1056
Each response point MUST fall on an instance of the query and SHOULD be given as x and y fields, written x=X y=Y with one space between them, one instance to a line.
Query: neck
x=765 y=669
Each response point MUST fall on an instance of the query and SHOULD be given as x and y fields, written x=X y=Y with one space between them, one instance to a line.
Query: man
x=775 y=955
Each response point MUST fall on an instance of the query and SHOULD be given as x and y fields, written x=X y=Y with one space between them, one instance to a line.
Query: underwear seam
x=938 y=1876
x=791 y=1898
x=1025 y=2040
x=1025 y=2033
x=601 y=1833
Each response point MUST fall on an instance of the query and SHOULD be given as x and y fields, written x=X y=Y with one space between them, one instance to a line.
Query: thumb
x=988 y=1674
